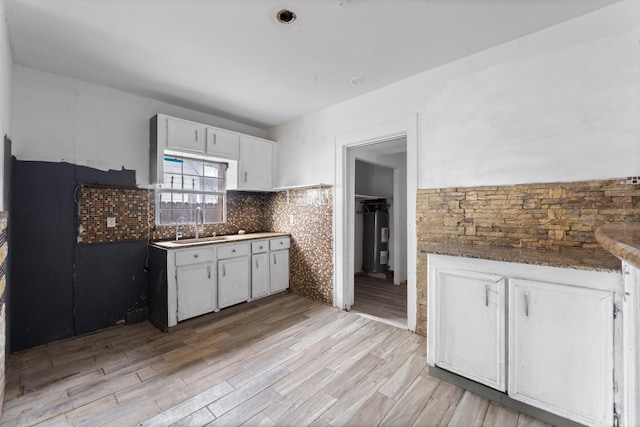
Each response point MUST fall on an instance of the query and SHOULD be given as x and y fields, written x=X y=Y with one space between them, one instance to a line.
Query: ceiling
x=231 y=58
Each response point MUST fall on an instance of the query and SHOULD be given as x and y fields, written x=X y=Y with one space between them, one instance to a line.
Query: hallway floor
x=380 y=300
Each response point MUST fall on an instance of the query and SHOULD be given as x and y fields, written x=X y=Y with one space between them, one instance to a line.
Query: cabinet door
x=233 y=281
x=222 y=143
x=196 y=290
x=185 y=135
x=255 y=169
x=561 y=349
x=279 y=271
x=469 y=325
x=259 y=275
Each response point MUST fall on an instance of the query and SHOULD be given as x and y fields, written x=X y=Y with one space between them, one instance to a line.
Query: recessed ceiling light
x=356 y=80
x=285 y=16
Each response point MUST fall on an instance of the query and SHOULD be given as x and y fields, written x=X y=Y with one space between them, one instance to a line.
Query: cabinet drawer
x=194 y=256
x=259 y=246
x=231 y=251
x=281 y=243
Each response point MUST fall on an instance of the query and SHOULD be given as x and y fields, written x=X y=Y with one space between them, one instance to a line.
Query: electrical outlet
x=633 y=180
x=111 y=221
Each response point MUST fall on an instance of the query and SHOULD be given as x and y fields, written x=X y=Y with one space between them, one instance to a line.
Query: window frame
x=199 y=194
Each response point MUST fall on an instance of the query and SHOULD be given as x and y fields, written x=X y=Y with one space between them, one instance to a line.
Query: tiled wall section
x=134 y=210
x=4 y=250
x=540 y=216
x=307 y=214
x=130 y=207
x=245 y=211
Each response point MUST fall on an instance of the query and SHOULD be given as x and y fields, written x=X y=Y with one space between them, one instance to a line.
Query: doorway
x=348 y=145
x=380 y=281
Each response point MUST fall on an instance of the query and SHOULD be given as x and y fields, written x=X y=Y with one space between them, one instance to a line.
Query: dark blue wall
x=58 y=288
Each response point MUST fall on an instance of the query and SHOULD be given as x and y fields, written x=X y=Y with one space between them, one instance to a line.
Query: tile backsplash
x=307 y=214
x=304 y=213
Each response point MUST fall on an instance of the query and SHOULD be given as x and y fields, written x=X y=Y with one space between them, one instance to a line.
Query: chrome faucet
x=185 y=221
x=199 y=214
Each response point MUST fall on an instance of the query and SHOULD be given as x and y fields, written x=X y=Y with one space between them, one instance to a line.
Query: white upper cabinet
x=255 y=169
x=222 y=143
x=255 y=156
x=183 y=135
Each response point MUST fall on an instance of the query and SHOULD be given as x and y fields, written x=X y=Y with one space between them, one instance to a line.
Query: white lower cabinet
x=234 y=278
x=270 y=266
x=470 y=328
x=211 y=277
x=561 y=349
x=565 y=334
x=196 y=290
x=279 y=271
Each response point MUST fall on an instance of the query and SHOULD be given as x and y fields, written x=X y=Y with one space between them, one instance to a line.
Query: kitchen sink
x=199 y=240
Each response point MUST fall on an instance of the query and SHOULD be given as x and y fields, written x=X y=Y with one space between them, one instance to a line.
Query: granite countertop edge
x=231 y=238
x=622 y=240
x=575 y=258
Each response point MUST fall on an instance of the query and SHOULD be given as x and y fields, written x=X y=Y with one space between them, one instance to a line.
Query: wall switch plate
x=111 y=221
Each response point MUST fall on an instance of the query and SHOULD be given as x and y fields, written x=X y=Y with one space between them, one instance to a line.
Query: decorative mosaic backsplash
x=129 y=206
x=550 y=217
x=307 y=214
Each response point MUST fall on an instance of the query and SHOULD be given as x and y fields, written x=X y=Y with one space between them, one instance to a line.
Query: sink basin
x=199 y=240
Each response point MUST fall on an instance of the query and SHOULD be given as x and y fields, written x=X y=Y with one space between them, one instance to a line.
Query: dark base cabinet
x=158 y=307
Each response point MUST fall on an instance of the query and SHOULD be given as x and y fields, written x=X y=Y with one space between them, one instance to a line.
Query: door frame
x=344 y=208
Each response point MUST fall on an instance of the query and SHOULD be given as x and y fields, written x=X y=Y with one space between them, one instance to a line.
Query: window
x=190 y=183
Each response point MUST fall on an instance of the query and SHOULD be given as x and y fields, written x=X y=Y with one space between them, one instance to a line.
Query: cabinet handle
x=526 y=304
x=224 y=270
x=233 y=251
x=256 y=262
x=208 y=272
x=214 y=138
x=196 y=132
x=486 y=295
x=195 y=255
x=274 y=260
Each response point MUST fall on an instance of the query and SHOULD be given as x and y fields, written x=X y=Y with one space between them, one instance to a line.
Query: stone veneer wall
x=550 y=217
x=307 y=214
x=4 y=251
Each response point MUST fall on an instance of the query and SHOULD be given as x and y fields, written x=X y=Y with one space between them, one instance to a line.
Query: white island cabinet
x=470 y=328
x=561 y=349
x=565 y=336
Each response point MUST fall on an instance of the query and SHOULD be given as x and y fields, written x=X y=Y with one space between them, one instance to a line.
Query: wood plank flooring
x=380 y=300
x=284 y=360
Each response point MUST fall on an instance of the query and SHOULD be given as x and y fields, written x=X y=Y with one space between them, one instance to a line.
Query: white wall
x=56 y=119
x=6 y=63
x=373 y=180
x=558 y=105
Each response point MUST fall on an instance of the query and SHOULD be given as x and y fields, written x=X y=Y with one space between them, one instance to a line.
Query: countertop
x=188 y=243
x=622 y=240
x=578 y=258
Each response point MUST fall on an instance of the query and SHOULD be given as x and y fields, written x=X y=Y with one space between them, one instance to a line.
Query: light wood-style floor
x=380 y=300
x=284 y=360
